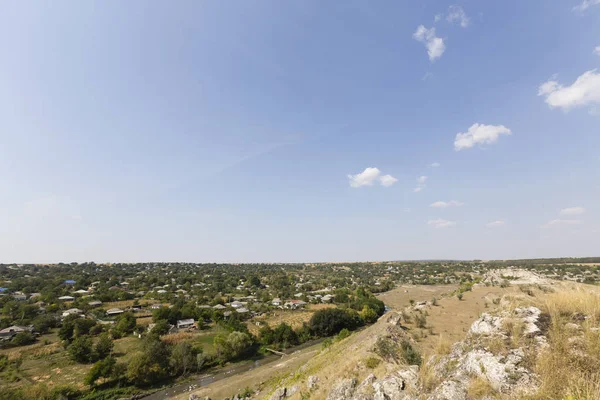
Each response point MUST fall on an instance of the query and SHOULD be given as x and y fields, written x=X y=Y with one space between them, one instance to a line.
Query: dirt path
x=254 y=378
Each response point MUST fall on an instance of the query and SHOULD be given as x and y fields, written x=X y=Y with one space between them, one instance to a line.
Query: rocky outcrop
x=399 y=385
x=343 y=390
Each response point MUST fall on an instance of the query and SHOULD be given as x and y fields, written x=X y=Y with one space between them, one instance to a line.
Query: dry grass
x=568 y=303
x=444 y=346
x=293 y=318
x=479 y=388
x=570 y=368
x=428 y=378
x=178 y=337
x=497 y=346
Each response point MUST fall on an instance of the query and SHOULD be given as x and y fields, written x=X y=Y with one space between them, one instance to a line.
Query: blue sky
x=260 y=131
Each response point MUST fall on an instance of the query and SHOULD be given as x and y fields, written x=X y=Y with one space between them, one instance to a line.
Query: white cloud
x=440 y=223
x=558 y=222
x=387 y=180
x=365 y=178
x=479 y=134
x=495 y=224
x=446 y=204
x=585 y=5
x=435 y=45
x=585 y=91
x=421 y=179
x=572 y=211
x=457 y=15
x=437 y=18
x=435 y=165
x=369 y=176
x=417 y=189
x=597 y=50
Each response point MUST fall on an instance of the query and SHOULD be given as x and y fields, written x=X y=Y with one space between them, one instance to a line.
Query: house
x=66 y=298
x=242 y=310
x=19 y=296
x=95 y=303
x=81 y=291
x=114 y=311
x=34 y=295
x=136 y=307
x=12 y=331
x=327 y=298
x=237 y=304
x=294 y=304
x=276 y=302
x=227 y=314
x=155 y=306
x=186 y=323
x=72 y=311
x=70 y=282
x=219 y=307
x=204 y=306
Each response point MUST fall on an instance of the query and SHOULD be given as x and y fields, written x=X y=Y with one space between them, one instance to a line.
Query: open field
x=401 y=296
x=293 y=318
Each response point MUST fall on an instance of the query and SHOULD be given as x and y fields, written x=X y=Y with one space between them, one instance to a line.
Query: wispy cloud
x=479 y=134
x=420 y=183
x=597 y=50
x=560 y=222
x=435 y=45
x=435 y=165
x=440 y=223
x=456 y=15
x=572 y=211
x=446 y=204
x=495 y=224
x=584 y=92
x=585 y=5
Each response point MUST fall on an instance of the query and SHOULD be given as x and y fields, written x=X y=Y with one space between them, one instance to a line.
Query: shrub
x=421 y=320
x=409 y=354
x=372 y=362
x=23 y=339
x=344 y=333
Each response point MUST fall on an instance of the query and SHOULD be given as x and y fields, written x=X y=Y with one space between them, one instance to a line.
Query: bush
x=409 y=354
x=372 y=362
x=344 y=333
x=23 y=339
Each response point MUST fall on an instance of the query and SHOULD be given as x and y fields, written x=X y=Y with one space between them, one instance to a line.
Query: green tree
x=162 y=327
x=161 y=313
x=104 y=346
x=81 y=349
x=101 y=369
x=368 y=315
x=182 y=358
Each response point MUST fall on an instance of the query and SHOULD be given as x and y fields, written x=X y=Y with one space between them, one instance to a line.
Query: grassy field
x=294 y=318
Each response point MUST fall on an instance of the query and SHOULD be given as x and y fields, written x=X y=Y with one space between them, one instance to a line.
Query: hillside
x=534 y=340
